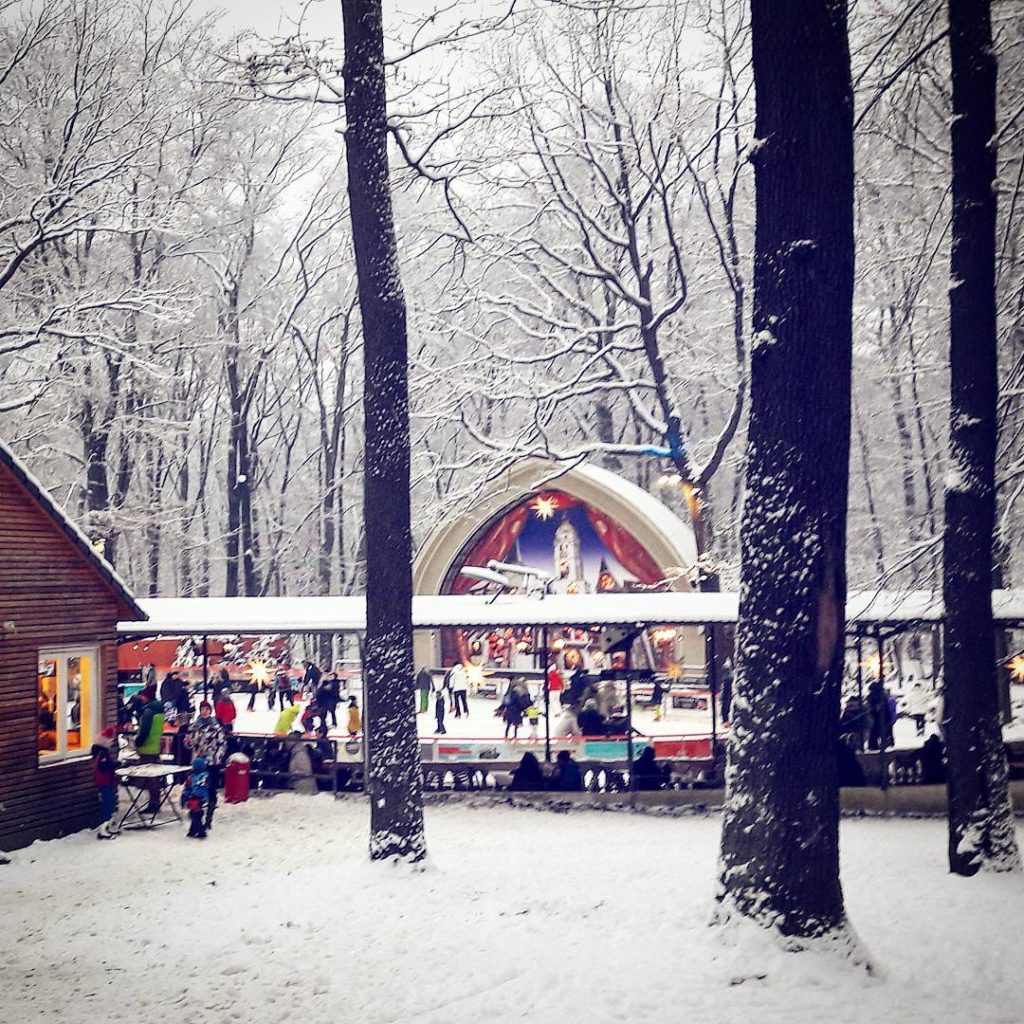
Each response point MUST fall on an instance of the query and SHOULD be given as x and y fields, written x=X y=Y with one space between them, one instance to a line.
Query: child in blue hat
x=194 y=796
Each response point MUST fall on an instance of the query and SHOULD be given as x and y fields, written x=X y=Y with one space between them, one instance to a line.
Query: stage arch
x=645 y=541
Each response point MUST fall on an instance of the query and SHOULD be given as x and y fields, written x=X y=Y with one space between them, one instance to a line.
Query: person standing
x=147 y=741
x=328 y=697
x=726 y=694
x=459 y=682
x=170 y=688
x=879 y=717
x=424 y=684
x=254 y=689
x=311 y=680
x=207 y=739
x=224 y=710
x=439 y=704
x=104 y=765
x=354 y=721
x=195 y=797
x=917 y=704
x=284 y=689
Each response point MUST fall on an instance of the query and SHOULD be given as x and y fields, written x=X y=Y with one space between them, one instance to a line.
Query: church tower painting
x=568 y=559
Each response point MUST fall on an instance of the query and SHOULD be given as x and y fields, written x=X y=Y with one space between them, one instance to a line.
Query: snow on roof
x=213 y=616
x=45 y=500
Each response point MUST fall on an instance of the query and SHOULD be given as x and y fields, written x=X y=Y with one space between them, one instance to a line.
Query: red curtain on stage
x=626 y=548
x=496 y=543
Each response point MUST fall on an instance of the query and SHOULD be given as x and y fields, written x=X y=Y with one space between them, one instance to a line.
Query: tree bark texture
x=981 y=832
x=780 y=840
x=395 y=779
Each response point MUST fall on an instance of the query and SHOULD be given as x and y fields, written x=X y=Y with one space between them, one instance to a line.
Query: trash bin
x=236 y=779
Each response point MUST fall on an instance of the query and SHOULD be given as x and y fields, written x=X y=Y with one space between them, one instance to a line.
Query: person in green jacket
x=286 y=720
x=147 y=740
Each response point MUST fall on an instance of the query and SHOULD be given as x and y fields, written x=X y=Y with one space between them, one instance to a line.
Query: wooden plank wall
x=55 y=598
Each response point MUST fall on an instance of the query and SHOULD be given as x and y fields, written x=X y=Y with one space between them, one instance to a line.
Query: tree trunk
x=395 y=778
x=981 y=830
x=780 y=839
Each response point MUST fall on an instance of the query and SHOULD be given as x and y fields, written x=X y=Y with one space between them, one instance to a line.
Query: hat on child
x=106 y=736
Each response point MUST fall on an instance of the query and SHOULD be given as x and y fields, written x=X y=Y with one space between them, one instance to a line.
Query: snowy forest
x=179 y=328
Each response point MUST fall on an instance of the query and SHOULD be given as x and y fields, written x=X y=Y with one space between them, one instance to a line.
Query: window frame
x=61 y=655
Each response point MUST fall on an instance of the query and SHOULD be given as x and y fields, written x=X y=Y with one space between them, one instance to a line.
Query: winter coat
x=206 y=739
x=151 y=728
x=568 y=778
x=103 y=765
x=169 y=690
x=459 y=680
x=225 y=711
x=196 y=791
x=424 y=680
x=590 y=722
x=286 y=720
x=311 y=680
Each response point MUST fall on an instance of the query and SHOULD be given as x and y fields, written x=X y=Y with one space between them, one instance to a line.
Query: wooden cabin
x=60 y=602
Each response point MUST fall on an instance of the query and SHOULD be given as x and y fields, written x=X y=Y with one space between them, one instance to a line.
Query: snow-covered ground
x=585 y=917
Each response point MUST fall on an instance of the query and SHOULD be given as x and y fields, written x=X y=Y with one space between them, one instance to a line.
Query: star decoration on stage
x=545 y=507
x=674 y=670
x=1017 y=669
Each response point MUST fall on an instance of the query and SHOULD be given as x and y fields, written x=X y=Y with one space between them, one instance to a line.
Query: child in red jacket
x=104 y=763
x=224 y=710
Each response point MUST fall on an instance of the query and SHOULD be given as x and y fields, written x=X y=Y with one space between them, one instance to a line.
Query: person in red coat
x=224 y=710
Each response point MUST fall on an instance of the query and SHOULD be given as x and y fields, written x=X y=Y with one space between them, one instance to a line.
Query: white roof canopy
x=214 y=616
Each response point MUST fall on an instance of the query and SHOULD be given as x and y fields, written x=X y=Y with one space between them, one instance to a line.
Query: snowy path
x=584 y=917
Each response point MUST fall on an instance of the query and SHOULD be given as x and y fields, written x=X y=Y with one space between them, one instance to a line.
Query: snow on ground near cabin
x=589 y=917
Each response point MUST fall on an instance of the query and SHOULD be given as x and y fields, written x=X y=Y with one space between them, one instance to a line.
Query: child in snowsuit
x=354 y=722
x=532 y=719
x=103 y=765
x=194 y=795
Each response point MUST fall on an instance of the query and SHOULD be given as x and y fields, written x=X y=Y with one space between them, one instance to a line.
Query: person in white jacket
x=459 y=681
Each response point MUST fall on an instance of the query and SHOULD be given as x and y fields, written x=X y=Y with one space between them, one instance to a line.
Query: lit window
x=68 y=702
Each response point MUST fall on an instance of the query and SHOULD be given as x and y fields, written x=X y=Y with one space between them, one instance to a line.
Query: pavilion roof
x=214 y=616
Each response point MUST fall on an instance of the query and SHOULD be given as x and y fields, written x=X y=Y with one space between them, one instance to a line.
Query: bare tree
x=395 y=779
x=780 y=838
x=981 y=828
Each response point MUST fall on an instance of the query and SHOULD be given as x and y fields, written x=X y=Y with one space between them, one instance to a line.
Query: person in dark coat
x=528 y=776
x=567 y=778
x=328 y=696
x=726 y=690
x=284 y=690
x=254 y=688
x=439 y=705
x=851 y=723
x=311 y=680
x=850 y=771
x=933 y=762
x=646 y=771
x=424 y=684
x=880 y=718
x=170 y=688
x=590 y=720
